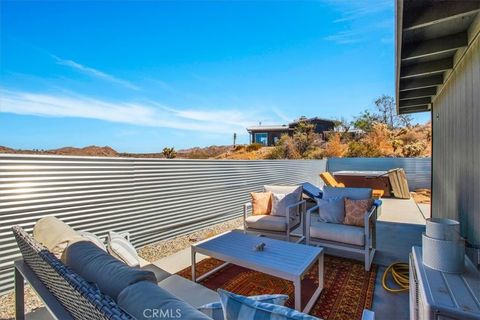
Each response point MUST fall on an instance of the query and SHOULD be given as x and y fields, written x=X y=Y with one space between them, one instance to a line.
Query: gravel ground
x=7 y=303
x=158 y=250
x=151 y=252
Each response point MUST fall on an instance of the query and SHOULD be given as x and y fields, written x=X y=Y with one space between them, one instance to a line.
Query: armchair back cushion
x=96 y=266
x=350 y=193
x=355 y=211
x=261 y=203
x=297 y=190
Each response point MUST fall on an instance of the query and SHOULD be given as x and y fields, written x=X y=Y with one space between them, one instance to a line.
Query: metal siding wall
x=456 y=147
x=151 y=198
x=418 y=170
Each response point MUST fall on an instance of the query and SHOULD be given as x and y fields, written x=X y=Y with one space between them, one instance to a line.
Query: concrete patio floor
x=399 y=227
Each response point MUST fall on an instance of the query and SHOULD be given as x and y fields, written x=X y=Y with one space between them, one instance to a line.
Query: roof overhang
x=429 y=34
x=268 y=128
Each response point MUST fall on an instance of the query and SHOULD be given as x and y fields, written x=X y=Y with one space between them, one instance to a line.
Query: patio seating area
x=399 y=226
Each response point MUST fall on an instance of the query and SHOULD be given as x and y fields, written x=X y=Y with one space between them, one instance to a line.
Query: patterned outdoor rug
x=348 y=288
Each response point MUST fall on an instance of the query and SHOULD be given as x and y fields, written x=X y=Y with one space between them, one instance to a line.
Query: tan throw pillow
x=355 y=211
x=261 y=202
x=55 y=234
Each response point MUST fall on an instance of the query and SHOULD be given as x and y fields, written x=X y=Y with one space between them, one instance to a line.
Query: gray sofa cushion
x=109 y=274
x=191 y=292
x=267 y=222
x=338 y=233
x=351 y=193
x=145 y=300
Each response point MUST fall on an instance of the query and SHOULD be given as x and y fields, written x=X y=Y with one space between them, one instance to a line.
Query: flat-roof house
x=268 y=135
x=438 y=70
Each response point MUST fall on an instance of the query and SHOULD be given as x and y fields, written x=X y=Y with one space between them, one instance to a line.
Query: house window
x=261 y=138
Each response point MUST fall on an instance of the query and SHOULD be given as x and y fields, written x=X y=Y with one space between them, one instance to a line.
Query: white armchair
x=344 y=237
x=272 y=224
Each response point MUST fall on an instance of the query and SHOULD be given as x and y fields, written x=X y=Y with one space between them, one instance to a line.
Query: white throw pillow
x=122 y=249
x=331 y=210
x=280 y=202
x=93 y=238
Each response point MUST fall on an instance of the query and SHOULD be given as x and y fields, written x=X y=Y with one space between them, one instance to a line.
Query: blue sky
x=139 y=76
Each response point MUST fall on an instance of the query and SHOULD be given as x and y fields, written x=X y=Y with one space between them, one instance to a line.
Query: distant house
x=268 y=135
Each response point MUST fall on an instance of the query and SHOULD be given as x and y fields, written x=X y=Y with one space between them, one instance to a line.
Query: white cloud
x=94 y=72
x=359 y=18
x=345 y=37
x=149 y=114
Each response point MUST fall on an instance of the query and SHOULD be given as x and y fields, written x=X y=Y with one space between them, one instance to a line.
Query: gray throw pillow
x=331 y=210
x=280 y=202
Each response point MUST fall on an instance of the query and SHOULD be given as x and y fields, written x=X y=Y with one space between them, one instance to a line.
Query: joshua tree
x=169 y=153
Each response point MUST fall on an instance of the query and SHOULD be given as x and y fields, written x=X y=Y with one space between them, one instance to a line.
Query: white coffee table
x=289 y=261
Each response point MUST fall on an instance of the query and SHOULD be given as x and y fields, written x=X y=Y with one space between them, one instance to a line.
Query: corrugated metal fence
x=153 y=199
x=418 y=170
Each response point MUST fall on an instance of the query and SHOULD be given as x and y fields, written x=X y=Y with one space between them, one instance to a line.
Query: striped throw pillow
x=215 y=311
x=122 y=249
x=237 y=307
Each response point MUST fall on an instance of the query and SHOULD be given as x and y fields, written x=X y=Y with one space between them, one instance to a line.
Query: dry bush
x=379 y=141
x=335 y=147
x=315 y=153
x=285 y=149
x=253 y=147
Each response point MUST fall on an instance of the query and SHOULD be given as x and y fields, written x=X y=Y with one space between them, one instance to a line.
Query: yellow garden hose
x=399 y=273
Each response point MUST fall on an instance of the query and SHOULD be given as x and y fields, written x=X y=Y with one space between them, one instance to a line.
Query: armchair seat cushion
x=267 y=222
x=338 y=233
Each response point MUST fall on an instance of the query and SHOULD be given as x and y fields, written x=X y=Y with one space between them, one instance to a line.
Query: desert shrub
x=285 y=148
x=413 y=149
x=278 y=152
x=359 y=149
x=239 y=148
x=254 y=147
x=315 y=153
x=335 y=147
x=169 y=153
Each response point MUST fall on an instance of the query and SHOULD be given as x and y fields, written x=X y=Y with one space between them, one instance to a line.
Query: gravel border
x=155 y=251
